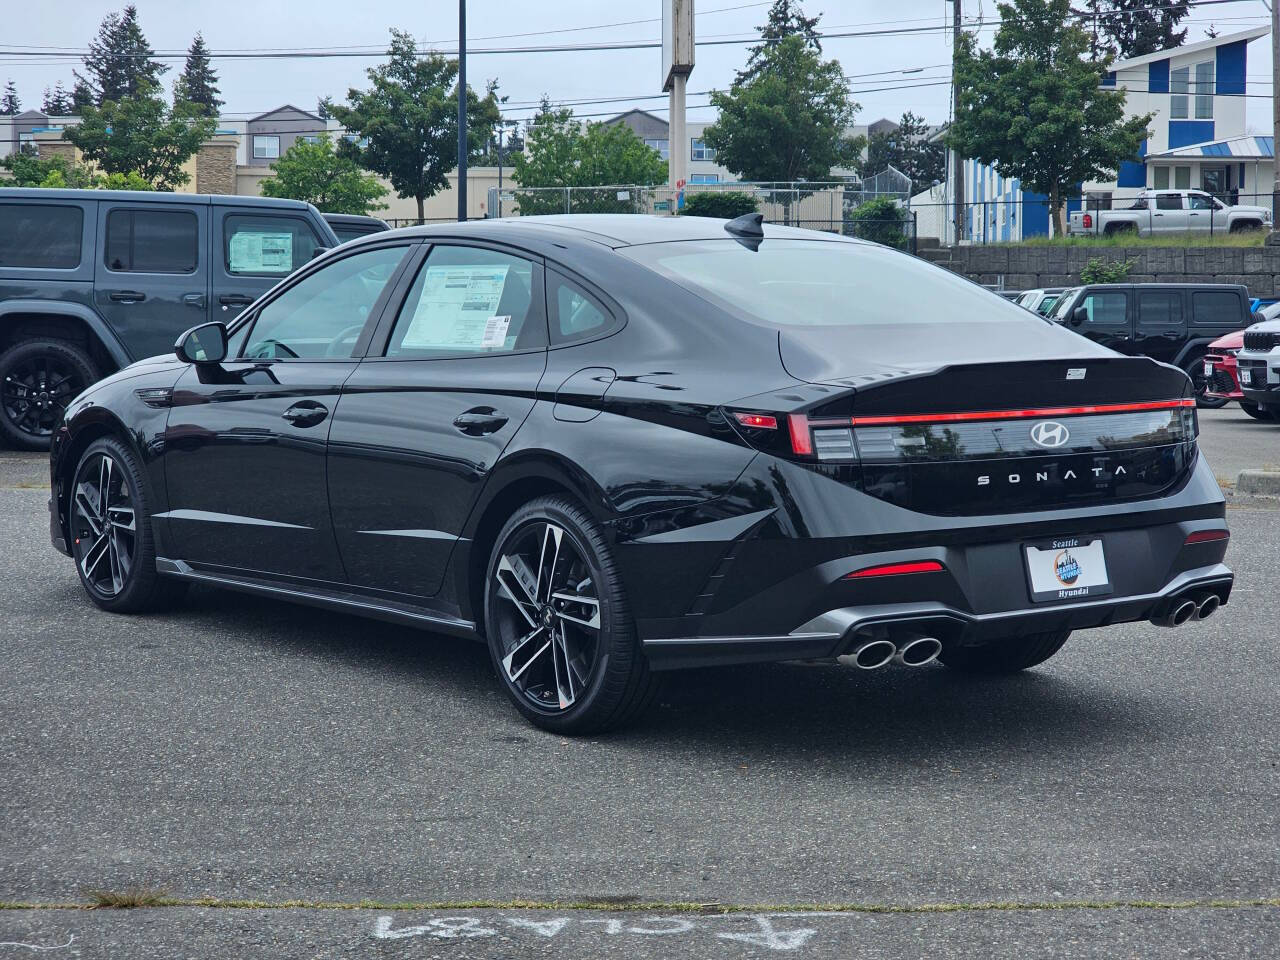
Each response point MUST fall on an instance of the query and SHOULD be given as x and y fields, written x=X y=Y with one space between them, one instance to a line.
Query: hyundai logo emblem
x=1049 y=433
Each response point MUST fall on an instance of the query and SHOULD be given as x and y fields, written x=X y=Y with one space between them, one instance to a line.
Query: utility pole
x=462 y=111
x=957 y=161
x=1275 y=111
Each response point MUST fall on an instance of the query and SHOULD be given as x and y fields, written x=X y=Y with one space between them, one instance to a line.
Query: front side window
x=1159 y=309
x=266 y=246
x=266 y=146
x=468 y=301
x=1198 y=201
x=1105 y=309
x=151 y=241
x=45 y=236
x=821 y=283
x=324 y=314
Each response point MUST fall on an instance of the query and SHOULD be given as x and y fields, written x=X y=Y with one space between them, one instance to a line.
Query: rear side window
x=266 y=246
x=40 y=235
x=1169 y=201
x=151 y=241
x=575 y=314
x=1159 y=309
x=1217 y=308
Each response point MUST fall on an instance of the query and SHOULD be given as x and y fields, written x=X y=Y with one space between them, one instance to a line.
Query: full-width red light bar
x=1036 y=412
x=896 y=569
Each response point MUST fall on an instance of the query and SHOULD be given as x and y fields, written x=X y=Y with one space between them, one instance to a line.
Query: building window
x=309 y=138
x=1182 y=178
x=662 y=146
x=1204 y=90
x=698 y=150
x=1161 y=178
x=704 y=178
x=266 y=147
x=1179 y=83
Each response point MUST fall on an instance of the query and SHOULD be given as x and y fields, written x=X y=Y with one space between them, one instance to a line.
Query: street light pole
x=462 y=111
x=957 y=161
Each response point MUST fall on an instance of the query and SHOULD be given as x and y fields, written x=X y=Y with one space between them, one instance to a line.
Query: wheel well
x=15 y=327
x=496 y=513
x=87 y=435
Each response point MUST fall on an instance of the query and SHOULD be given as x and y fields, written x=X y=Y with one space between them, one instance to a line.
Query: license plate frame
x=1208 y=368
x=1066 y=569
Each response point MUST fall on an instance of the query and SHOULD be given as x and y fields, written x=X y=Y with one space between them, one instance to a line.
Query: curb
x=1263 y=483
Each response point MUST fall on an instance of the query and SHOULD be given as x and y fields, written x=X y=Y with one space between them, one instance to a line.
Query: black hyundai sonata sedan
x=614 y=445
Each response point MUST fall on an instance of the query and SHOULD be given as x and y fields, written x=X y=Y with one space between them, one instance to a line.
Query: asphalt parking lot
x=1118 y=801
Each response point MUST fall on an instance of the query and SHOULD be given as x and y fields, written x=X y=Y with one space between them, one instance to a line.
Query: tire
x=1194 y=369
x=111 y=537
x=1008 y=655
x=562 y=673
x=38 y=378
x=1257 y=411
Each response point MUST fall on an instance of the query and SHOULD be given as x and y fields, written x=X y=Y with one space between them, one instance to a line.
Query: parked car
x=1040 y=301
x=1170 y=322
x=92 y=280
x=1258 y=366
x=611 y=445
x=1222 y=373
x=351 y=226
x=1154 y=212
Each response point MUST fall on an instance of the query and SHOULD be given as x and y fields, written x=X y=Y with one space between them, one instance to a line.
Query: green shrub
x=881 y=221
x=724 y=205
x=1098 y=270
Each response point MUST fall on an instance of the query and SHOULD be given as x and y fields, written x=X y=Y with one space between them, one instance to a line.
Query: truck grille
x=1261 y=340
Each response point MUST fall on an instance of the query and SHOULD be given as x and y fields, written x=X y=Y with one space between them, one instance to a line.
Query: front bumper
x=1223 y=381
x=1259 y=376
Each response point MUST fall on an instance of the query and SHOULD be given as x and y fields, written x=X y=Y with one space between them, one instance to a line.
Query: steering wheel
x=336 y=343
x=277 y=348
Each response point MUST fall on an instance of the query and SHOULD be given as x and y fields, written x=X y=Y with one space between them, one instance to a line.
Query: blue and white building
x=1198 y=139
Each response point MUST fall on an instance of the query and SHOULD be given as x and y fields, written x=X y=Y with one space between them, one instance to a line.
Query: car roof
x=608 y=229
x=148 y=196
x=356 y=220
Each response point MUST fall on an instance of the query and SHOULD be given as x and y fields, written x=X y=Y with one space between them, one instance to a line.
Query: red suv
x=1222 y=376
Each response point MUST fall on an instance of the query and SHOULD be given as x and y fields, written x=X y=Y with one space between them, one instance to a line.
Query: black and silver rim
x=104 y=525
x=547 y=616
x=36 y=392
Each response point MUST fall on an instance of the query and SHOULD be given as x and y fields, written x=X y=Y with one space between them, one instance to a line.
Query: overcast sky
x=252 y=86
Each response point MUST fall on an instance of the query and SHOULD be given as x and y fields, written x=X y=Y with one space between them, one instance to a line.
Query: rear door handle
x=194 y=300
x=479 y=421
x=127 y=296
x=235 y=300
x=306 y=413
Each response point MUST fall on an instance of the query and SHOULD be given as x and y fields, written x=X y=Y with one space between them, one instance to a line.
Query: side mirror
x=1079 y=315
x=320 y=252
x=206 y=343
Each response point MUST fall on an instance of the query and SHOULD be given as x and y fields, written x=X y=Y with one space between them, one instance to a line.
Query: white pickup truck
x=1154 y=212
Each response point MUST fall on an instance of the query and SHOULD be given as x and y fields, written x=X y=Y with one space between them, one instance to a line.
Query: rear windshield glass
x=822 y=283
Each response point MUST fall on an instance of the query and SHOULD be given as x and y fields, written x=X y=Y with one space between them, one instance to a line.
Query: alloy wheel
x=36 y=392
x=549 y=623
x=104 y=525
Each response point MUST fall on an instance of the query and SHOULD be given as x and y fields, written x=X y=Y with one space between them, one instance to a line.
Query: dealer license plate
x=1208 y=369
x=1069 y=568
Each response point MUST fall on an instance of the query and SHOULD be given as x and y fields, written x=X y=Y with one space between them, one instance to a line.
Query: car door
x=244 y=448
x=257 y=248
x=451 y=376
x=1169 y=215
x=1106 y=317
x=1160 y=326
x=1200 y=215
x=151 y=279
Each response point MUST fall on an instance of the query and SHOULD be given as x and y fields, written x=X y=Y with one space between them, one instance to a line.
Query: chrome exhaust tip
x=1176 y=612
x=918 y=651
x=870 y=655
x=1207 y=606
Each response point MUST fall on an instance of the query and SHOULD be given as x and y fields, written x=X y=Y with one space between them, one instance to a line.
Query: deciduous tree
x=1034 y=108
x=143 y=135
x=316 y=173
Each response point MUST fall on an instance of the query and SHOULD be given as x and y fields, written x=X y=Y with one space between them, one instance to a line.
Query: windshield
x=821 y=282
x=1064 y=300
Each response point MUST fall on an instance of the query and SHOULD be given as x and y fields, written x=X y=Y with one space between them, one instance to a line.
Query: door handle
x=306 y=413
x=479 y=421
x=127 y=296
x=235 y=300
x=194 y=300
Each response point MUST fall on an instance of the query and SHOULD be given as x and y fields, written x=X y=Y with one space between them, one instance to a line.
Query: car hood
x=861 y=355
x=1232 y=341
x=1264 y=326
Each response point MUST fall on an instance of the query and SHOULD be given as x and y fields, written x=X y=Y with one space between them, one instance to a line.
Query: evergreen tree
x=1134 y=28
x=322 y=108
x=10 y=103
x=119 y=65
x=81 y=95
x=786 y=19
x=909 y=151
x=198 y=83
x=57 y=103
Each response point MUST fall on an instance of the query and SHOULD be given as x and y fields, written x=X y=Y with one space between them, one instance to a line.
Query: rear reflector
x=801 y=439
x=897 y=569
x=1206 y=536
x=761 y=421
x=1022 y=414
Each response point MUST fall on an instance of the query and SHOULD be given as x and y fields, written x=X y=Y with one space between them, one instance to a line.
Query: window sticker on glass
x=262 y=253
x=456 y=309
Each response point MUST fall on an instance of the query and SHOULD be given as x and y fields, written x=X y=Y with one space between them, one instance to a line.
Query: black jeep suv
x=92 y=280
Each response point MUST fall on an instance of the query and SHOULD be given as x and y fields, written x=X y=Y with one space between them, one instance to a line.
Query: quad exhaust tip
x=871 y=655
x=1207 y=606
x=919 y=651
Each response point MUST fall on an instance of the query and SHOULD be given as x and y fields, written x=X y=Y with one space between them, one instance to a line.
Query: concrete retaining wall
x=1026 y=267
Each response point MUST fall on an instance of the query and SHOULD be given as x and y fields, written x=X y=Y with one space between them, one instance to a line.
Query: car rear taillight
x=797 y=436
x=1087 y=220
x=896 y=569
